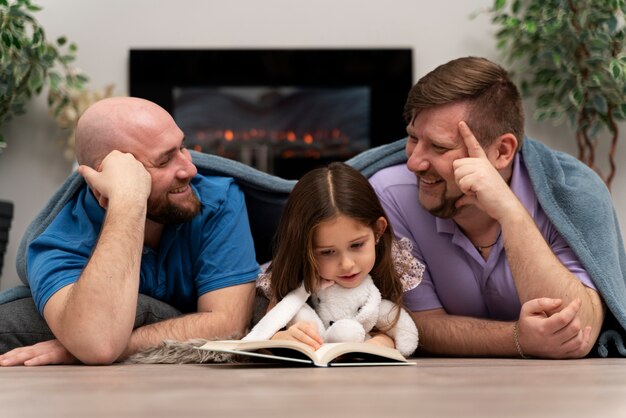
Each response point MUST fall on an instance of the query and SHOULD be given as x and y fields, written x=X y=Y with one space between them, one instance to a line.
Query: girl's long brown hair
x=319 y=196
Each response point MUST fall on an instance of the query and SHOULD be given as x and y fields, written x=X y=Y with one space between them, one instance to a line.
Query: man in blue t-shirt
x=146 y=228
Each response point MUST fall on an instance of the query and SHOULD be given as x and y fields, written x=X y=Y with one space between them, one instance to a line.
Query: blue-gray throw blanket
x=574 y=198
x=367 y=162
x=579 y=205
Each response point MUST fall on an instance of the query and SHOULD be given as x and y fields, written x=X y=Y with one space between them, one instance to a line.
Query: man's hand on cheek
x=119 y=175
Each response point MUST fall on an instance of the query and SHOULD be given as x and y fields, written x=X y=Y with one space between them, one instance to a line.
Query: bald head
x=117 y=123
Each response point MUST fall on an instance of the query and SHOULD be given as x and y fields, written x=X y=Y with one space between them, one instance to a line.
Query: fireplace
x=281 y=111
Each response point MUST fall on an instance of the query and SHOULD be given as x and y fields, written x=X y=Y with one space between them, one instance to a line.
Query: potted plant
x=29 y=62
x=570 y=56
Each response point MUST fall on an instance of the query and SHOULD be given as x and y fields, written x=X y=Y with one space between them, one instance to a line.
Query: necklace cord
x=480 y=248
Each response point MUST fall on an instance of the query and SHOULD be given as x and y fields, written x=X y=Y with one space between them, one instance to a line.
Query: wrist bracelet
x=516 y=341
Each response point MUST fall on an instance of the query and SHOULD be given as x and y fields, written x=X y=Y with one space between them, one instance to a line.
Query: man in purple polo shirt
x=500 y=279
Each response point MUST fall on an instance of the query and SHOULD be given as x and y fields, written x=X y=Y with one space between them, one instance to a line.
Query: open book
x=330 y=354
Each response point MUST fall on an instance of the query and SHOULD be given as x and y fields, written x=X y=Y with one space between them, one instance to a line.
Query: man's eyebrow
x=171 y=150
x=166 y=153
x=444 y=142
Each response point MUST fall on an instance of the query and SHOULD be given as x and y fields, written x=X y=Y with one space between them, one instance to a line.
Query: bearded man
x=501 y=279
x=146 y=239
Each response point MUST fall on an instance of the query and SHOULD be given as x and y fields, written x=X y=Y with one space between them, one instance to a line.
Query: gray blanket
x=367 y=162
x=574 y=198
x=578 y=203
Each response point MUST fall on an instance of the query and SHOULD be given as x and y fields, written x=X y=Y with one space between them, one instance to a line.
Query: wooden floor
x=433 y=388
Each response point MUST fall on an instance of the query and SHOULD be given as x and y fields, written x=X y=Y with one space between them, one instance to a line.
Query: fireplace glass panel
x=283 y=111
x=273 y=128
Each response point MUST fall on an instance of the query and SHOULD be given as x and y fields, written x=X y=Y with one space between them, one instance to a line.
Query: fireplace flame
x=259 y=146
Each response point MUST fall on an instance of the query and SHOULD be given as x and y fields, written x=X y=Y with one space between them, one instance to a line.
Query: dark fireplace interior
x=281 y=111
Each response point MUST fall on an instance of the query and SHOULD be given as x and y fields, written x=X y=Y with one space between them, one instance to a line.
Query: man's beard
x=447 y=205
x=166 y=212
x=446 y=209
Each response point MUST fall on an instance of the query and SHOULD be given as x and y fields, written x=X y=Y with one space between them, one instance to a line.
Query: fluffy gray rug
x=181 y=352
x=185 y=352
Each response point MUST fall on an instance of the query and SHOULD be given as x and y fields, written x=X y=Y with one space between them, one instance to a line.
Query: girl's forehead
x=342 y=221
x=339 y=227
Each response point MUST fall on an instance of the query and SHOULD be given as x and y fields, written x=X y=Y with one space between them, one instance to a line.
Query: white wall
x=33 y=167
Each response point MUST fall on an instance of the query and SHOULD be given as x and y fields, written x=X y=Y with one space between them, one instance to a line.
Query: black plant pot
x=6 y=216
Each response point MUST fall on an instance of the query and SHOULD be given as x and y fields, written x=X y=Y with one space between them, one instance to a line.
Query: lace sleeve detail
x=264 y=280
x=410 y=268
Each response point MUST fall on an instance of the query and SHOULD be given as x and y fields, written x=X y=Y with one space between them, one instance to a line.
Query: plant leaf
x=7 y=40
x=616 y=69
x=622 y=111
x=33 y=8
x=599 y=103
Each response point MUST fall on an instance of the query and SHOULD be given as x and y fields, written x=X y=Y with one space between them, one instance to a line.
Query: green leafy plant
x=29 y=62
x=569 y=55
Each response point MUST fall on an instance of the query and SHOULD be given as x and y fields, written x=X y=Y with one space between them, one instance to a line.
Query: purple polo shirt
x=457 y=278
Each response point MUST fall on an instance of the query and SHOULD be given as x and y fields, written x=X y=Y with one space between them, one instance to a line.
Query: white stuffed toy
x=341 y=314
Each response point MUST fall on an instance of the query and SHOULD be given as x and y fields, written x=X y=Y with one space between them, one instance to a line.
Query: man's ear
x=504 y=150
x=379 y=228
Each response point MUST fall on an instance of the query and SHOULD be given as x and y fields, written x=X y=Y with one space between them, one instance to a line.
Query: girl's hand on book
x=382 y=339
x=304 y=332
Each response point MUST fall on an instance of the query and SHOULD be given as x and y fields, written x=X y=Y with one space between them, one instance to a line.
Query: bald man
x=145 y=228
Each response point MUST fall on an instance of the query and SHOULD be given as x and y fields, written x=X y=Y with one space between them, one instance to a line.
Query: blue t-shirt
x=212 y=251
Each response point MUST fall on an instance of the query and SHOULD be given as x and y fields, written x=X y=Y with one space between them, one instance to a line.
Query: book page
x=278 y=349
x=330 y=354
x=357 y=353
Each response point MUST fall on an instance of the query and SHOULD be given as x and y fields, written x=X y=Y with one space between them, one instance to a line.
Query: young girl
x=334 y=231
